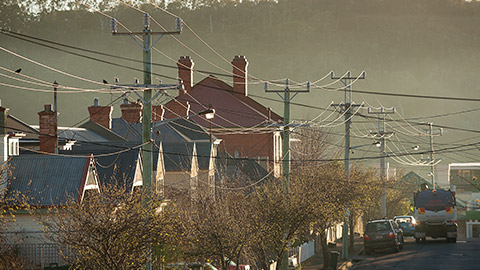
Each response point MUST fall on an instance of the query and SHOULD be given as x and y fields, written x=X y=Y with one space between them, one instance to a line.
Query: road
x=434 y=254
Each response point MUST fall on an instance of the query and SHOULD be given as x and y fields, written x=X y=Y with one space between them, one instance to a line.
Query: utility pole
x=431 y=133
x=382 y=135
x=286 y=140
x=347 y=107
x=55 y=109
x=286 y=123
x=147 y=95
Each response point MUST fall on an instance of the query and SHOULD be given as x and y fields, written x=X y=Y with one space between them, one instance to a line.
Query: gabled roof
x=414 y=180
x=88 y=132
x=231 y=109
x=47 y=180
x=117 y=169
x=83 y=134
x=189 y=129
x=16 y=125
x=102 y=131
x=178 y=130
x=178 y=156
x=241 y=169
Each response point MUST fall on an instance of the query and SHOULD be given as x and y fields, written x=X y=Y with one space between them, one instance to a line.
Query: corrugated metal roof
x=47 y=180
x=203 y=154
x=118 y=169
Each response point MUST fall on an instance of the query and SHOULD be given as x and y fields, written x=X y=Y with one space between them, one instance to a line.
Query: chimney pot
x=47 y=107
x=95 y=101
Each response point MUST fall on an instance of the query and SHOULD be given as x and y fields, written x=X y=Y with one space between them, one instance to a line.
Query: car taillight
x=449 y=210
x=366 y=238
x=391 y=235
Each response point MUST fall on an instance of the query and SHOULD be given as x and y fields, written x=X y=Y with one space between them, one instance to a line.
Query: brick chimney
x=48 y=129
x=131 y=112
x=185 y=71
x=101 y=115
x=158 y=113
x=240 y=64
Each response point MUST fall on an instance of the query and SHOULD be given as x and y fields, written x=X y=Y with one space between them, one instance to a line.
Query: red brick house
x=246 y=127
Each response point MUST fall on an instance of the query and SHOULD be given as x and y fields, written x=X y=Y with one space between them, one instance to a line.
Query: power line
x=12 y=34
x=442 y=150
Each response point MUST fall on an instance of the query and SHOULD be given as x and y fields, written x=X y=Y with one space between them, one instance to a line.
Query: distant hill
x=427 y=47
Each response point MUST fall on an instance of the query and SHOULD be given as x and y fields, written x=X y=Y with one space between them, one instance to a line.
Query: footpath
x=316 y=262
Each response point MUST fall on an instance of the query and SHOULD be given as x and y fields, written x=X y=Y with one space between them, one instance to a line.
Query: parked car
x=407 y=224
x=381 y=234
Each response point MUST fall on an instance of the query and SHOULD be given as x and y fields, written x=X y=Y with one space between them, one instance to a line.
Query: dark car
x=381 y=234
x=407 y=224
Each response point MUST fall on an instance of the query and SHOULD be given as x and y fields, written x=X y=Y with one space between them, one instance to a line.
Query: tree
x=280 y=217
x=114 y=229
x=215 y=228
x=9 y=258
x=326 y=188
x=365 y=191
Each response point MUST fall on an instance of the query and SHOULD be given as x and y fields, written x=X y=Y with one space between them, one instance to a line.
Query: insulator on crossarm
x=113 y=26
x=146 y=21
x=179 y=24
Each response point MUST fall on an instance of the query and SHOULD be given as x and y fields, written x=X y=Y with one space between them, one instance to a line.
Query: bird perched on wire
x=18 y=70
x=105 y=81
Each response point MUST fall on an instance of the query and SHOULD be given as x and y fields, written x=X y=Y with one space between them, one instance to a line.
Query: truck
x=435 y=215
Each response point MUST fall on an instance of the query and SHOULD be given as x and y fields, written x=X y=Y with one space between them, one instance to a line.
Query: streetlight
x=376 y=143
x=209 y=115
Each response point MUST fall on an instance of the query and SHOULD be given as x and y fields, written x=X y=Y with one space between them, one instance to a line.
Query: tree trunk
x=325 y=251
x=351 y=239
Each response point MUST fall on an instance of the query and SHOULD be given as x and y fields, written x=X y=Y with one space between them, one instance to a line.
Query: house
x=171 y=138
x=46 y=181
x=464 y=179
x=247 y=128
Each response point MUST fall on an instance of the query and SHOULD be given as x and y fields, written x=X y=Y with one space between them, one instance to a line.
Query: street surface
x=435 y=254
